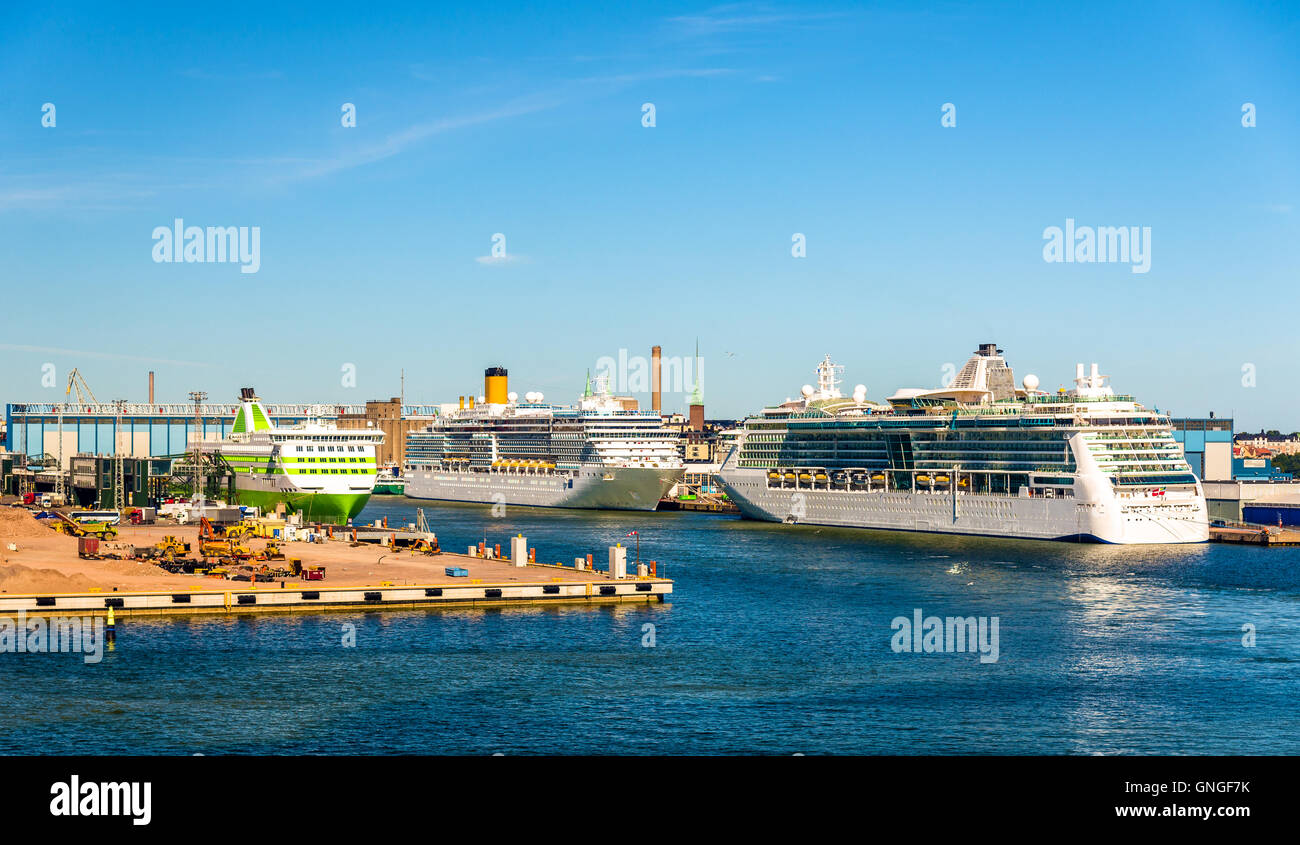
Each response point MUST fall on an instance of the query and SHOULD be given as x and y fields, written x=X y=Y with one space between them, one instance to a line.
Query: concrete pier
x=309 y=598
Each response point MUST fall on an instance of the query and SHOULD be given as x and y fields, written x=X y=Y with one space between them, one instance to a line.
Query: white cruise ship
x=981 y=456
x=325 y=472
x=511 y=452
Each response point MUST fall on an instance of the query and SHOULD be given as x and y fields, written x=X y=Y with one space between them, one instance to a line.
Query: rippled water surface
x=776 y=640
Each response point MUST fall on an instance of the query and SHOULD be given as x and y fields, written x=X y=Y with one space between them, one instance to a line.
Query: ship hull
x=315 y=506
x=1135 y=522
x=626 y=488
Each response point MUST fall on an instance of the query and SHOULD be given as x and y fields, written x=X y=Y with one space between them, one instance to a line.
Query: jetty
x=43 y=572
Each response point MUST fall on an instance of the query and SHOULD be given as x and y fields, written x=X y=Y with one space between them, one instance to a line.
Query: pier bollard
x=618 y=561
x=520 y=554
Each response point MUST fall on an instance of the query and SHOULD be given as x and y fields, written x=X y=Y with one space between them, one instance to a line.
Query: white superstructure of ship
x=980 y=456
x=508 y=450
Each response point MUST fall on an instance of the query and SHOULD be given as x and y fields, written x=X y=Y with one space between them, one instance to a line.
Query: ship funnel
x=1078 y=371
x=495 y=386
x=1096 y=373
x=247 y=393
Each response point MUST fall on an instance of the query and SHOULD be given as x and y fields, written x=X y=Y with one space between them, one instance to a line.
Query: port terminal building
x=1237 y=489
x=163 y=430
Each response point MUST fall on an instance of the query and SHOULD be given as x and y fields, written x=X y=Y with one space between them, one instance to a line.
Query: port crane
x=77 y=382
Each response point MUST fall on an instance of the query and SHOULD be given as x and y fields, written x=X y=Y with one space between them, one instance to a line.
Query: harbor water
x=776 y=640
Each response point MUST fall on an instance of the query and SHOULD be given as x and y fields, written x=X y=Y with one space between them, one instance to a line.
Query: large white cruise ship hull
x=1140 y=520
x=613 y=488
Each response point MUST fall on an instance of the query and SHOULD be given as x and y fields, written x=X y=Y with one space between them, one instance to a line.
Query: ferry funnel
x=495 y=386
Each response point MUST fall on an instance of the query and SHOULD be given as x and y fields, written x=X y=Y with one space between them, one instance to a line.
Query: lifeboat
x=941 y=479
x=821 y=476
x=880 y=476
x=923 y=479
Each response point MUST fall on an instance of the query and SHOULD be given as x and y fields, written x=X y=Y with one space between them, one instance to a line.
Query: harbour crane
x=77 y=382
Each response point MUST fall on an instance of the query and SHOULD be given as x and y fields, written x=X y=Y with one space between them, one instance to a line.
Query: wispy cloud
x=111 y=356
x=98 y=194
x=29 y=189
x=575 y=90
x=742 y=17
x=399 y=142
x=233 y=76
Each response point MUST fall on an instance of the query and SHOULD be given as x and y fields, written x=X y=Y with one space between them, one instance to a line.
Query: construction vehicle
x=271 y=552
x=241 y=529
x=66 y=525
x=224 y=550
x=173 y=544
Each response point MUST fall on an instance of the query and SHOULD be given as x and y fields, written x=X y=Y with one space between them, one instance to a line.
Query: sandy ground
x=47 y=562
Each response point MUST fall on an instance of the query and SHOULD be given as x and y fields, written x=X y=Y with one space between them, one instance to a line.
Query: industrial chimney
x=655 y=353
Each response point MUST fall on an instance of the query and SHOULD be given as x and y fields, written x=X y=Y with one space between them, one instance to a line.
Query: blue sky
x=771 y=119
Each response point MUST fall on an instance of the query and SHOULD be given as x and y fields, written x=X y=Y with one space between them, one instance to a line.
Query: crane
x=76 y=381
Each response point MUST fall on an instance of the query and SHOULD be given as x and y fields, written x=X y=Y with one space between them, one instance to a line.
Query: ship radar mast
x=828 y=381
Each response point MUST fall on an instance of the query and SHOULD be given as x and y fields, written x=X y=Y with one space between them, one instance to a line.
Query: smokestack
x=151 y=387
x=655 y=352
x=496 y=390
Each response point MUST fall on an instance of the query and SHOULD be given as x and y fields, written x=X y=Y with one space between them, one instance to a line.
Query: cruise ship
x=980 y=456
x=325 y=472
x=504 y=451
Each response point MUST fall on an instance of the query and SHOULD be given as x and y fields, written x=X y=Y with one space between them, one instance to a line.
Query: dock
x=1255 y=535
x=295 y=598
x=42 y=573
